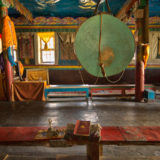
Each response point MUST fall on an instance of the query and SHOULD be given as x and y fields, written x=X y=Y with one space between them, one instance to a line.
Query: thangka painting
x=66 y=41
x=26 y=45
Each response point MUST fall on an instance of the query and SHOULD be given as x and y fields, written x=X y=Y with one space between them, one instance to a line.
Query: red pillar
x=9 y=78
x=8 y=67
x=142 y=26
x=140 y=74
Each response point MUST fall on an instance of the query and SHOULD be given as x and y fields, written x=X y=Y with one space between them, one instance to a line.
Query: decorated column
x=142 y=19
x=8 y=67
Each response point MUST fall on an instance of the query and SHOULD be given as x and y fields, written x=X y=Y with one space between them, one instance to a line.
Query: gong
x=104 y=38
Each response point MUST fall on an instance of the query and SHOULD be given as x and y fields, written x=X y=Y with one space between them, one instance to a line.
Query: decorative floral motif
x=154 y=20
x=39 y=20
x=49 y=21
x=67 y=21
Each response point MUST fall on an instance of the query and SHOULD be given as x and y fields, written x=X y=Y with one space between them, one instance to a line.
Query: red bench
x=109 y=136
x=115 y=90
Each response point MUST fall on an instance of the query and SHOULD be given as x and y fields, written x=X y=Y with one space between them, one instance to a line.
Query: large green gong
x=117 y=45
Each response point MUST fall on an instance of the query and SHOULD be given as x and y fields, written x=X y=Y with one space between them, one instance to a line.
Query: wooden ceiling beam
x=125 y=9
x=19 y=7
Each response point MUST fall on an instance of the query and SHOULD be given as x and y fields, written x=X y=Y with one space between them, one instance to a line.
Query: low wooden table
x=109 y=136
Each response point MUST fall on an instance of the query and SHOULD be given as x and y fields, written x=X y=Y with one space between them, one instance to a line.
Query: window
x=15 y=55
x=46 y=48
x=48 y=51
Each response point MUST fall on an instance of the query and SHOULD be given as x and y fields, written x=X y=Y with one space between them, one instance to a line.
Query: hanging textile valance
x=66 y=44
x=8 y=34
x=67 y=37
x=46 y=36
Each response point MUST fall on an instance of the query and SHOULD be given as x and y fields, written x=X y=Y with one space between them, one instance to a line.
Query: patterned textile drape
x=66 y=40
x=8 y=34
x=26 y=45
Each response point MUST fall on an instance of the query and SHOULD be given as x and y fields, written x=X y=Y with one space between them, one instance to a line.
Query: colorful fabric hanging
x=10 y=57
x=8 y=34
x=26 y=45
x=20 y=68
x=146 y=54
x=46 y=36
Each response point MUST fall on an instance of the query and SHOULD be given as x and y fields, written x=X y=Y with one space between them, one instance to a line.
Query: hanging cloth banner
x=145 y=54
x=46 y=36
x=0 y=43
x=8 y=34
x=10 y=57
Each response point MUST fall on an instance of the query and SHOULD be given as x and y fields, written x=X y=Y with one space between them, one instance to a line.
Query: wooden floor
x=108 y=112
x=65 y=157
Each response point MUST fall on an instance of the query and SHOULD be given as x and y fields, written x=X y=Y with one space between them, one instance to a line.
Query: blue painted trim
x=47 y=90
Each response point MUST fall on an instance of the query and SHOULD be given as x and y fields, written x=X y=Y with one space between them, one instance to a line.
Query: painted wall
x=70 y=72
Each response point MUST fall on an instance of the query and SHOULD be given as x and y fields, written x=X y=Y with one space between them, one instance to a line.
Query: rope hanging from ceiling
x=107 y=5
x=101 y=64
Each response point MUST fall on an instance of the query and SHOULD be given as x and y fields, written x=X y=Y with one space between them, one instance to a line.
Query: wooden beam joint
x=18 y=6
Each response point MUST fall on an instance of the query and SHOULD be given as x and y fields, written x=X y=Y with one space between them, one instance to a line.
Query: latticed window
x=47 y=48
x=48 y=51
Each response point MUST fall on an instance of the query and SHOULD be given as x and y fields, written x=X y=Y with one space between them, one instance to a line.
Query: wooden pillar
x=94 y=151
x=8 y=67
x=142 y=21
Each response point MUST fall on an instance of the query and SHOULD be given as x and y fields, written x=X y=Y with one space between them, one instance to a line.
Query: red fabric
x=111 y=134
x=28 y=90
x=132 y=134
x=151 y=133
x=8 y=134
x=114 y=134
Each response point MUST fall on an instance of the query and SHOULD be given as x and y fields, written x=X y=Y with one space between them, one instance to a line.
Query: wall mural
x=26 y=45
x=87 y=4
x=75 y=8
x=66 y=8
x=65 y=47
